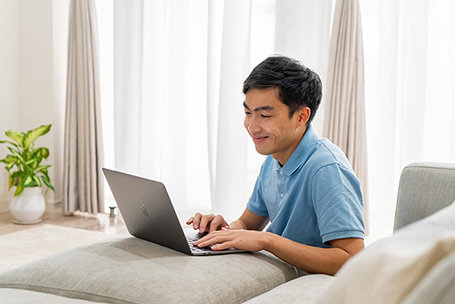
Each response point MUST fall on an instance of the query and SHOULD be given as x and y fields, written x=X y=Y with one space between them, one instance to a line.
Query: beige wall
x=33 y=35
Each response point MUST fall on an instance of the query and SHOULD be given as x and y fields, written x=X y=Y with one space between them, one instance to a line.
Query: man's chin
x=262 y=151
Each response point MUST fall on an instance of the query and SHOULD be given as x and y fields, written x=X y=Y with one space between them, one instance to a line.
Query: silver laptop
x=149 y=214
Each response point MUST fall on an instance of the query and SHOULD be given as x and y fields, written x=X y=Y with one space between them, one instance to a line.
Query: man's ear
x=303 y=115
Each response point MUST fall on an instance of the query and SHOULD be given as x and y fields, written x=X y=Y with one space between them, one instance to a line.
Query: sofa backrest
x=424 y=189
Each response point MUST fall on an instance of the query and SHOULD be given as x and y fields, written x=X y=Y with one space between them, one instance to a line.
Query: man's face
x=268 y=123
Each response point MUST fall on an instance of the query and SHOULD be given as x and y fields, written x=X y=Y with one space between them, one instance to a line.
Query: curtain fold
x=83 y=150
x=344 y=121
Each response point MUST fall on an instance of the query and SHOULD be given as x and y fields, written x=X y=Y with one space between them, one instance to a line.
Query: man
x=306 y=188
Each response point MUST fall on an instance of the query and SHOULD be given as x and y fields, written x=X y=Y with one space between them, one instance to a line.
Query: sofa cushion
x=130 y=270
x=305 y=290
x=21 y=296
x=438 y=286
x=388 y=270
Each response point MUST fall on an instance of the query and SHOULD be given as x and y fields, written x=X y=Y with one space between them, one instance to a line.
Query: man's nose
x=254 y=126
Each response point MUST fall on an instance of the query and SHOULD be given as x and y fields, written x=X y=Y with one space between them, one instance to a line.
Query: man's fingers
x=207 y=223
x=223 y=246
x=239 y=239
x=205 y=239
x=206 y=219
x=217 y=223
x=212 y=239
x=197 y=220
x=213 y=226
x=190 y=220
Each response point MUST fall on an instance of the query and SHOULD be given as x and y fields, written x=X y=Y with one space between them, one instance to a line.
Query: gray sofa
x=415 y=265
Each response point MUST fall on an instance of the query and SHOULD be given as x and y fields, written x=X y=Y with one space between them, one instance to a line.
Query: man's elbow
x=346 y=249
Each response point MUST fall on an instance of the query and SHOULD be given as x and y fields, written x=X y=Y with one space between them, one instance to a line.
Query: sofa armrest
x=424 y=189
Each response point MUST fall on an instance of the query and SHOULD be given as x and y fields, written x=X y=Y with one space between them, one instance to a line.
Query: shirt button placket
x=281 y=184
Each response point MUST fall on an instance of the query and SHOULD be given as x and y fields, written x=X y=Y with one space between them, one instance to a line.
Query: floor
x=100 y=222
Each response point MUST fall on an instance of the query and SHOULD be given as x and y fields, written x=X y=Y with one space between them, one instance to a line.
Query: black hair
x=298 y=85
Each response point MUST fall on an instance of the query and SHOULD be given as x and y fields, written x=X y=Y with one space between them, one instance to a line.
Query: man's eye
x=265 y=116
x=247 y=113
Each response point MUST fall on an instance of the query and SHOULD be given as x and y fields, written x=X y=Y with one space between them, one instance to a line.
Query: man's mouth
x=259 y=139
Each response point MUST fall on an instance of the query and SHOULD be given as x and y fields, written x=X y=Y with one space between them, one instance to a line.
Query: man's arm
x=246 y=234
x=250 y=221
x=314 y=259
x=307 y=258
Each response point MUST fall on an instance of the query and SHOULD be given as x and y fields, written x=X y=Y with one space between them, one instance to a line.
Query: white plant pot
x=28 y=207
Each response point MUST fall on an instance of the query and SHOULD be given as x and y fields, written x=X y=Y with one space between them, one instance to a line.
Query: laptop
x=148 y=213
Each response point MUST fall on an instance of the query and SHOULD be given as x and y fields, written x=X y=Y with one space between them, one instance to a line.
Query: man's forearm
x=238 y=224
x=250 y=221
x=307 y=258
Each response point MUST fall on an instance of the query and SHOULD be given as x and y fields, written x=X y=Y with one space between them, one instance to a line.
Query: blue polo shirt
x=314 y=198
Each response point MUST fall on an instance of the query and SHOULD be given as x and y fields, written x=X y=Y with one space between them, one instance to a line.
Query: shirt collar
x=300 y=154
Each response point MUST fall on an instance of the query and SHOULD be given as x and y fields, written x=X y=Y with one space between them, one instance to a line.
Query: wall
x=9 y=78
x=32 y=77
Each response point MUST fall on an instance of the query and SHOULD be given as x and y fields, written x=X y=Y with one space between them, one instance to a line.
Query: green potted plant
x=27 y=174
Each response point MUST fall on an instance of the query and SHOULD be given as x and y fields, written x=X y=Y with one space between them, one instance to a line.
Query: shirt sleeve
x=338 y=203
x=256 y=204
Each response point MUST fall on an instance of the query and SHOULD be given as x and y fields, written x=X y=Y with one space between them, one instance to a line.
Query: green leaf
x=8 y=142
x=27 y=155
x=10 y=166
x=11 y=182
x=9 y=159
x=19 y=189
x=32 y=135
x=42 y=168
x=28 y=181
x=29 y=162
x=16 y=136
x=37 y=180
x=47 y=182
x=40 y=153
x=17 y=154
x=44 y=152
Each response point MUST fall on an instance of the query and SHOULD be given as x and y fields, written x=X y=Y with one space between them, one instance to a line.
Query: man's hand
x=237 y=238
x=207 y=223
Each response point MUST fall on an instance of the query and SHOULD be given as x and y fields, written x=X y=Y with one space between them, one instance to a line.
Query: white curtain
x=410 y=92
x=179 y=68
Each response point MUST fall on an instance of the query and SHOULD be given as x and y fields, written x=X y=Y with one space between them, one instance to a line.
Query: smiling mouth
x=259 y=139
